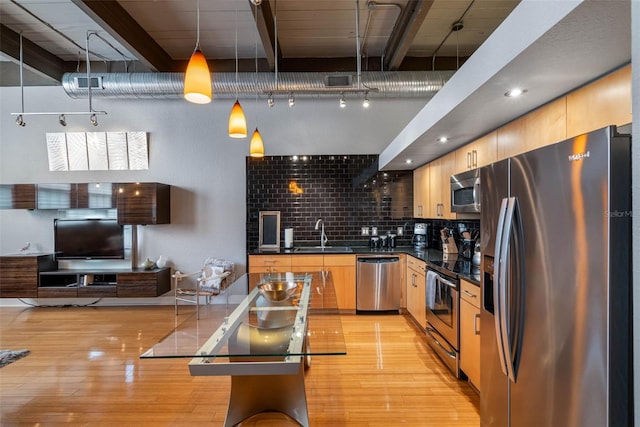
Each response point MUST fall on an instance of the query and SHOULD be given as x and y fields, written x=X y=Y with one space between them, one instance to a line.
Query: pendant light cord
x=197 y=25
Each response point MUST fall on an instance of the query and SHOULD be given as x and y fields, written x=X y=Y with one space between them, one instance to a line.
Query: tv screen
x=88 y=239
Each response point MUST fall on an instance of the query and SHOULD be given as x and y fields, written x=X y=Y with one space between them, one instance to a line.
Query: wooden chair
x=212 y=279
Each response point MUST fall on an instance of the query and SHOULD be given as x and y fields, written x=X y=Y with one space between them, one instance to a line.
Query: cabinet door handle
x=469 y=294
x=475 y=159
x=468 y=159
x=476 y=331
x=420 y=210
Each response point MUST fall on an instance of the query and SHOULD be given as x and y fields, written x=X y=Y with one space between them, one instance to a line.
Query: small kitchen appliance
x=420 y=235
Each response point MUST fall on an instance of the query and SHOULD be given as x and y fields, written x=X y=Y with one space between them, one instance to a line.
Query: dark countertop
x=454 y=265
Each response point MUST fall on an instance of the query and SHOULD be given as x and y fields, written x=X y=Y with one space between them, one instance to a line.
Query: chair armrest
x=213 y=277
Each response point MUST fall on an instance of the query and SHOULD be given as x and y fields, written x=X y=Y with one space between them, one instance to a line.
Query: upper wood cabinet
x=144 y=203
x=421 y=192
x=440 y=172
x=97 y=195
x=604 y=102
x=543 y=126
x=480 y=152
x=18 y=196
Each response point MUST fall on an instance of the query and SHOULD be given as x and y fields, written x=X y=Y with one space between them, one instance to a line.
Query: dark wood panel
x=144 y=203
x=19 y=274
x=58 y=292
x=144 y=283
x=17 y=196
x=97 y=291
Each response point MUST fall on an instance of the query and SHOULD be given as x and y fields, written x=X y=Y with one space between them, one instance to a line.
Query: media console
x=38 y=276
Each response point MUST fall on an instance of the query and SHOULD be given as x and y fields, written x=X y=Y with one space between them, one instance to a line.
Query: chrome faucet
x=323 y=236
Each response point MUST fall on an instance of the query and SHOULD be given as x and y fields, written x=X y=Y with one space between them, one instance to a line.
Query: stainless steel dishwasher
x=378 y=283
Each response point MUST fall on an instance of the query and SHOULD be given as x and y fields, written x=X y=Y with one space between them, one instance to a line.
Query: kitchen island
x=263 y=339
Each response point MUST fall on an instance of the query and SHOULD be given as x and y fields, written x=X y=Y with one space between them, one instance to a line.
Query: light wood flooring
x=84 y=370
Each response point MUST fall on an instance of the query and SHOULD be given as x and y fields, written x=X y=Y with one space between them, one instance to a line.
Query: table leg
x=253 y=394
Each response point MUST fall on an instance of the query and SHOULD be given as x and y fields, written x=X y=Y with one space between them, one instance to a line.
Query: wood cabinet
x=416 y=290
x=144 y=203
x=440 y=172
x=470 y=331
x=341 y=266
x=269 y=263
x=18 y=196
x=343 y=271
x=421 y=201
x=19 y=274
x=604 y=102
x=143 y=283
x=37 y=276
x=480 y=152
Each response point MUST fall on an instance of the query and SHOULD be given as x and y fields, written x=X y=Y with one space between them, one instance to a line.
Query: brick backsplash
x=348 y=192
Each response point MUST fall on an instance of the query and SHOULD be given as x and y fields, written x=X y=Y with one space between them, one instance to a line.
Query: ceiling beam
x=34 y=58
x=115 y=20
x=408 y=24
x=266 y=29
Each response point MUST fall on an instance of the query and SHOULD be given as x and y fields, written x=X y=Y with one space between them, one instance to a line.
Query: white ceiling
x=160 y=35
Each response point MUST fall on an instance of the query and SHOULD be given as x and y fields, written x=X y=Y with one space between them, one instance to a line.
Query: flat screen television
x=88 y=239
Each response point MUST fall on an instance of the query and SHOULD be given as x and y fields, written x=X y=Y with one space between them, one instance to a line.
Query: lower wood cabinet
x=37 y=276
x=342 y=268
x=19 y=274
x=470 y=331
x=416 y=290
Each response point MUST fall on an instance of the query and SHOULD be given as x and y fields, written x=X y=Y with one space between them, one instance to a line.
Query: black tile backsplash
x=348 y=192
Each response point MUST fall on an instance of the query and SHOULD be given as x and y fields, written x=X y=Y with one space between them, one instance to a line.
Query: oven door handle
x=440 y=279
x=449 y=353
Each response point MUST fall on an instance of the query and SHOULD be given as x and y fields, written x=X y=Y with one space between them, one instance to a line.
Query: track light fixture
x=365 y=101
x=292 y=100
x=270 y=101
x=94 y=120
x=343 y=102
x=20 y=121
x=62 y=120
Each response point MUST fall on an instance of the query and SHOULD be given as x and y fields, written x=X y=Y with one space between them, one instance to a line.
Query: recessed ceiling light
x=408 y=161
x=443 y=139
x=515 y=92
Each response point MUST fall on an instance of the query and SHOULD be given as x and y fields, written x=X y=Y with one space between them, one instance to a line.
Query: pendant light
x=197 y=79
x=256 y=148
x=237 y=120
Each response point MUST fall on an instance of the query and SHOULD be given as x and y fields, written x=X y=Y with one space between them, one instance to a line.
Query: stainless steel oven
x=443 y=308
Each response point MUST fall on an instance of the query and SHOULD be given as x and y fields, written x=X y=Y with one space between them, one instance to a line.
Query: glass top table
x=262 y=331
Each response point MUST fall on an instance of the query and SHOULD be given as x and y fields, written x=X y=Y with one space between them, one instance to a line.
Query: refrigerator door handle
x=510 y=290
x=498 y=287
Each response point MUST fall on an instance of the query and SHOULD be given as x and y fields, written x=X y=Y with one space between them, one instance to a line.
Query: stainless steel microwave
x=465 y=192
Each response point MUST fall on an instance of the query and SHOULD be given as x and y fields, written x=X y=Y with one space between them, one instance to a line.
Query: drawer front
x=96 y=291
x=307 y=261
x=18 y=277
x=340 y=260
x=58 y=292
x=270 y=261
x=470 y=293
x=137 y=285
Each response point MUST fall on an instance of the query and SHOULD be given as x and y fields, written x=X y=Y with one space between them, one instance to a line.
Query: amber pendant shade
x=197 y=79
x=237 y=122
x=256 y=148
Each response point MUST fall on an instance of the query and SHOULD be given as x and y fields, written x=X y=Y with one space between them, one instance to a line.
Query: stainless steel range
x=443 y=316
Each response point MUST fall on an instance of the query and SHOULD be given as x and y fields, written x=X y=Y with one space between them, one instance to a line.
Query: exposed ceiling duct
x=377 y=84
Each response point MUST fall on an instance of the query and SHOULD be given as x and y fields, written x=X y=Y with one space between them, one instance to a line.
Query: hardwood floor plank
x=84 y=369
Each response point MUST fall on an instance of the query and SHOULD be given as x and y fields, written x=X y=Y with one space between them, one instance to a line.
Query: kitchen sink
x=330 y=249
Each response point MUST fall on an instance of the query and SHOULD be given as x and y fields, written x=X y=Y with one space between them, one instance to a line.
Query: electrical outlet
x=364 y=231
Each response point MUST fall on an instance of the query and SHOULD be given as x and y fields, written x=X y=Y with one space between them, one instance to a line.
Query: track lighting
x=365 y=101
x=343 y=102
x=256 y=2
x=94 y=120
x=62 y=120
x=270 y=101
x=20 y=121
x=292 y=100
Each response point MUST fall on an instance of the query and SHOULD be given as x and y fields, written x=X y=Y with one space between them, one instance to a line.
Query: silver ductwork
x=377 y=84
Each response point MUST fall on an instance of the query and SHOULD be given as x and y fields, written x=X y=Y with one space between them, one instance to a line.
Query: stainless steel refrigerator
x=556 y=285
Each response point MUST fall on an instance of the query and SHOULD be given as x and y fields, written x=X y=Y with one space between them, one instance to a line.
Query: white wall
x=188 y=149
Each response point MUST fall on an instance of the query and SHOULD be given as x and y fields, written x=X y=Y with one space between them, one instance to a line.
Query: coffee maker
x=420 y=236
